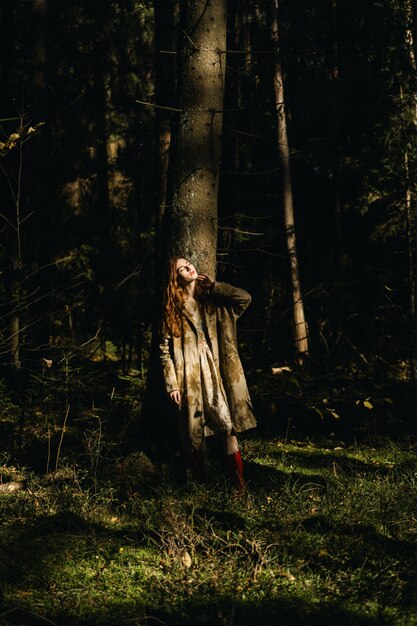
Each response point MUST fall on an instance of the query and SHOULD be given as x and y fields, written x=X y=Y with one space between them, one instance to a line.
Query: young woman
x=202 y=370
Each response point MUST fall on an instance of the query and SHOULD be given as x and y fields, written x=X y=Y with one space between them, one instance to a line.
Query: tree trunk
x=164 y=97
x=192 y=214
x=246 y=17
x=410 y=228
x=14 y=273
x=190 y=218
x=100 y=100
x=10 y=196
x=339 y=256
x=103 y=215
x=7 y=51
x=409 y=220
x=228 y=190
x=409 y=187
x=41 y=194
x=299 y=323
x=39 y=13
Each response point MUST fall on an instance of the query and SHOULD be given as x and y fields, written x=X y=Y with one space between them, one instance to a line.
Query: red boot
x=234 y=467
x=196 y=463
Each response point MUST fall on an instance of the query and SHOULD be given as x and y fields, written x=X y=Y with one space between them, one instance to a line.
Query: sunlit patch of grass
x=324 y=532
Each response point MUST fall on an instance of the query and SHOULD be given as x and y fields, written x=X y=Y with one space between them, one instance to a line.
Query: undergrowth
x=325 y=533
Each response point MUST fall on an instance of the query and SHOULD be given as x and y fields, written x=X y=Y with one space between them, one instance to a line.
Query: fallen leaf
x=186 y=559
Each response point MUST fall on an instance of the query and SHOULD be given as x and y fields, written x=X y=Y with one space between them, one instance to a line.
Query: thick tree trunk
x=192 y=214
x=190 y=217
x=299 y=322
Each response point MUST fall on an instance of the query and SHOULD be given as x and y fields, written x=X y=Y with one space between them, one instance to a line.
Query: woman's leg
x=233 y=459
x=230 y=444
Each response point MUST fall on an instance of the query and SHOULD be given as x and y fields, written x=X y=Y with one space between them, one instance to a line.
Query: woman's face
x=186 y=272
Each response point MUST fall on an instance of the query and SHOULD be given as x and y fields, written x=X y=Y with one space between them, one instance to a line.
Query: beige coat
x=181 y=366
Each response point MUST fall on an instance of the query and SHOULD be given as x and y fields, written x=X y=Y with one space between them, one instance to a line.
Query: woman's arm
x=237 y=298
x=168 y=369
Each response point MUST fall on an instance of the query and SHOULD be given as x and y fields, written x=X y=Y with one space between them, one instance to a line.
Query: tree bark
x=190 y=217
x=192 y=214
x=300 y=329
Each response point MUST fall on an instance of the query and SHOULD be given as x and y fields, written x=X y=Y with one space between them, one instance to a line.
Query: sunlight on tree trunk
x=192 y=214
x=299 y=322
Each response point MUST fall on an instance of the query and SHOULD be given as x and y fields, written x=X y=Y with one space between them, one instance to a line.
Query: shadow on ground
x=221 y=612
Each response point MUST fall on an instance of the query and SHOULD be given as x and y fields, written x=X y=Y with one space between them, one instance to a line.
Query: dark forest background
x=80 y=201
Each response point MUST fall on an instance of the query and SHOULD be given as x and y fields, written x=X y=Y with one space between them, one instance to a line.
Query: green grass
x=324 y=535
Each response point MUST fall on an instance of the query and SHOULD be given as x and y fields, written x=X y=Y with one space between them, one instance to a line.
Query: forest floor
x=325 y=533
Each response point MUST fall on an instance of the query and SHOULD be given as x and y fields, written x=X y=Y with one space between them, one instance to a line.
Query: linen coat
x=181 y=366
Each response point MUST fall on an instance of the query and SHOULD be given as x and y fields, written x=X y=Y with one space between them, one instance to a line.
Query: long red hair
x=174 y=301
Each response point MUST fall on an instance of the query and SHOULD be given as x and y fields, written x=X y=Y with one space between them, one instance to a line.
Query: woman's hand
x=205 y=281
x=175 y=396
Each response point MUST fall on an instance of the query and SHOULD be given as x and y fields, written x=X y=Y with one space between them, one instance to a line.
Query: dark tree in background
x=165 y=84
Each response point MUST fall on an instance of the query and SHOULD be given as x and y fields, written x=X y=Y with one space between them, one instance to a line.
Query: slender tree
x=164 y=96
x=10 y=196
x=7 y=52
x=228 y=188
x=299 y=323
x=40 y=199
x=334 y=78
x=409 y=42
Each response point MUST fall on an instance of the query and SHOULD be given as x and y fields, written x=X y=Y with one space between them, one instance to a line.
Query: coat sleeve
x=234 y=297
x=168 y=368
